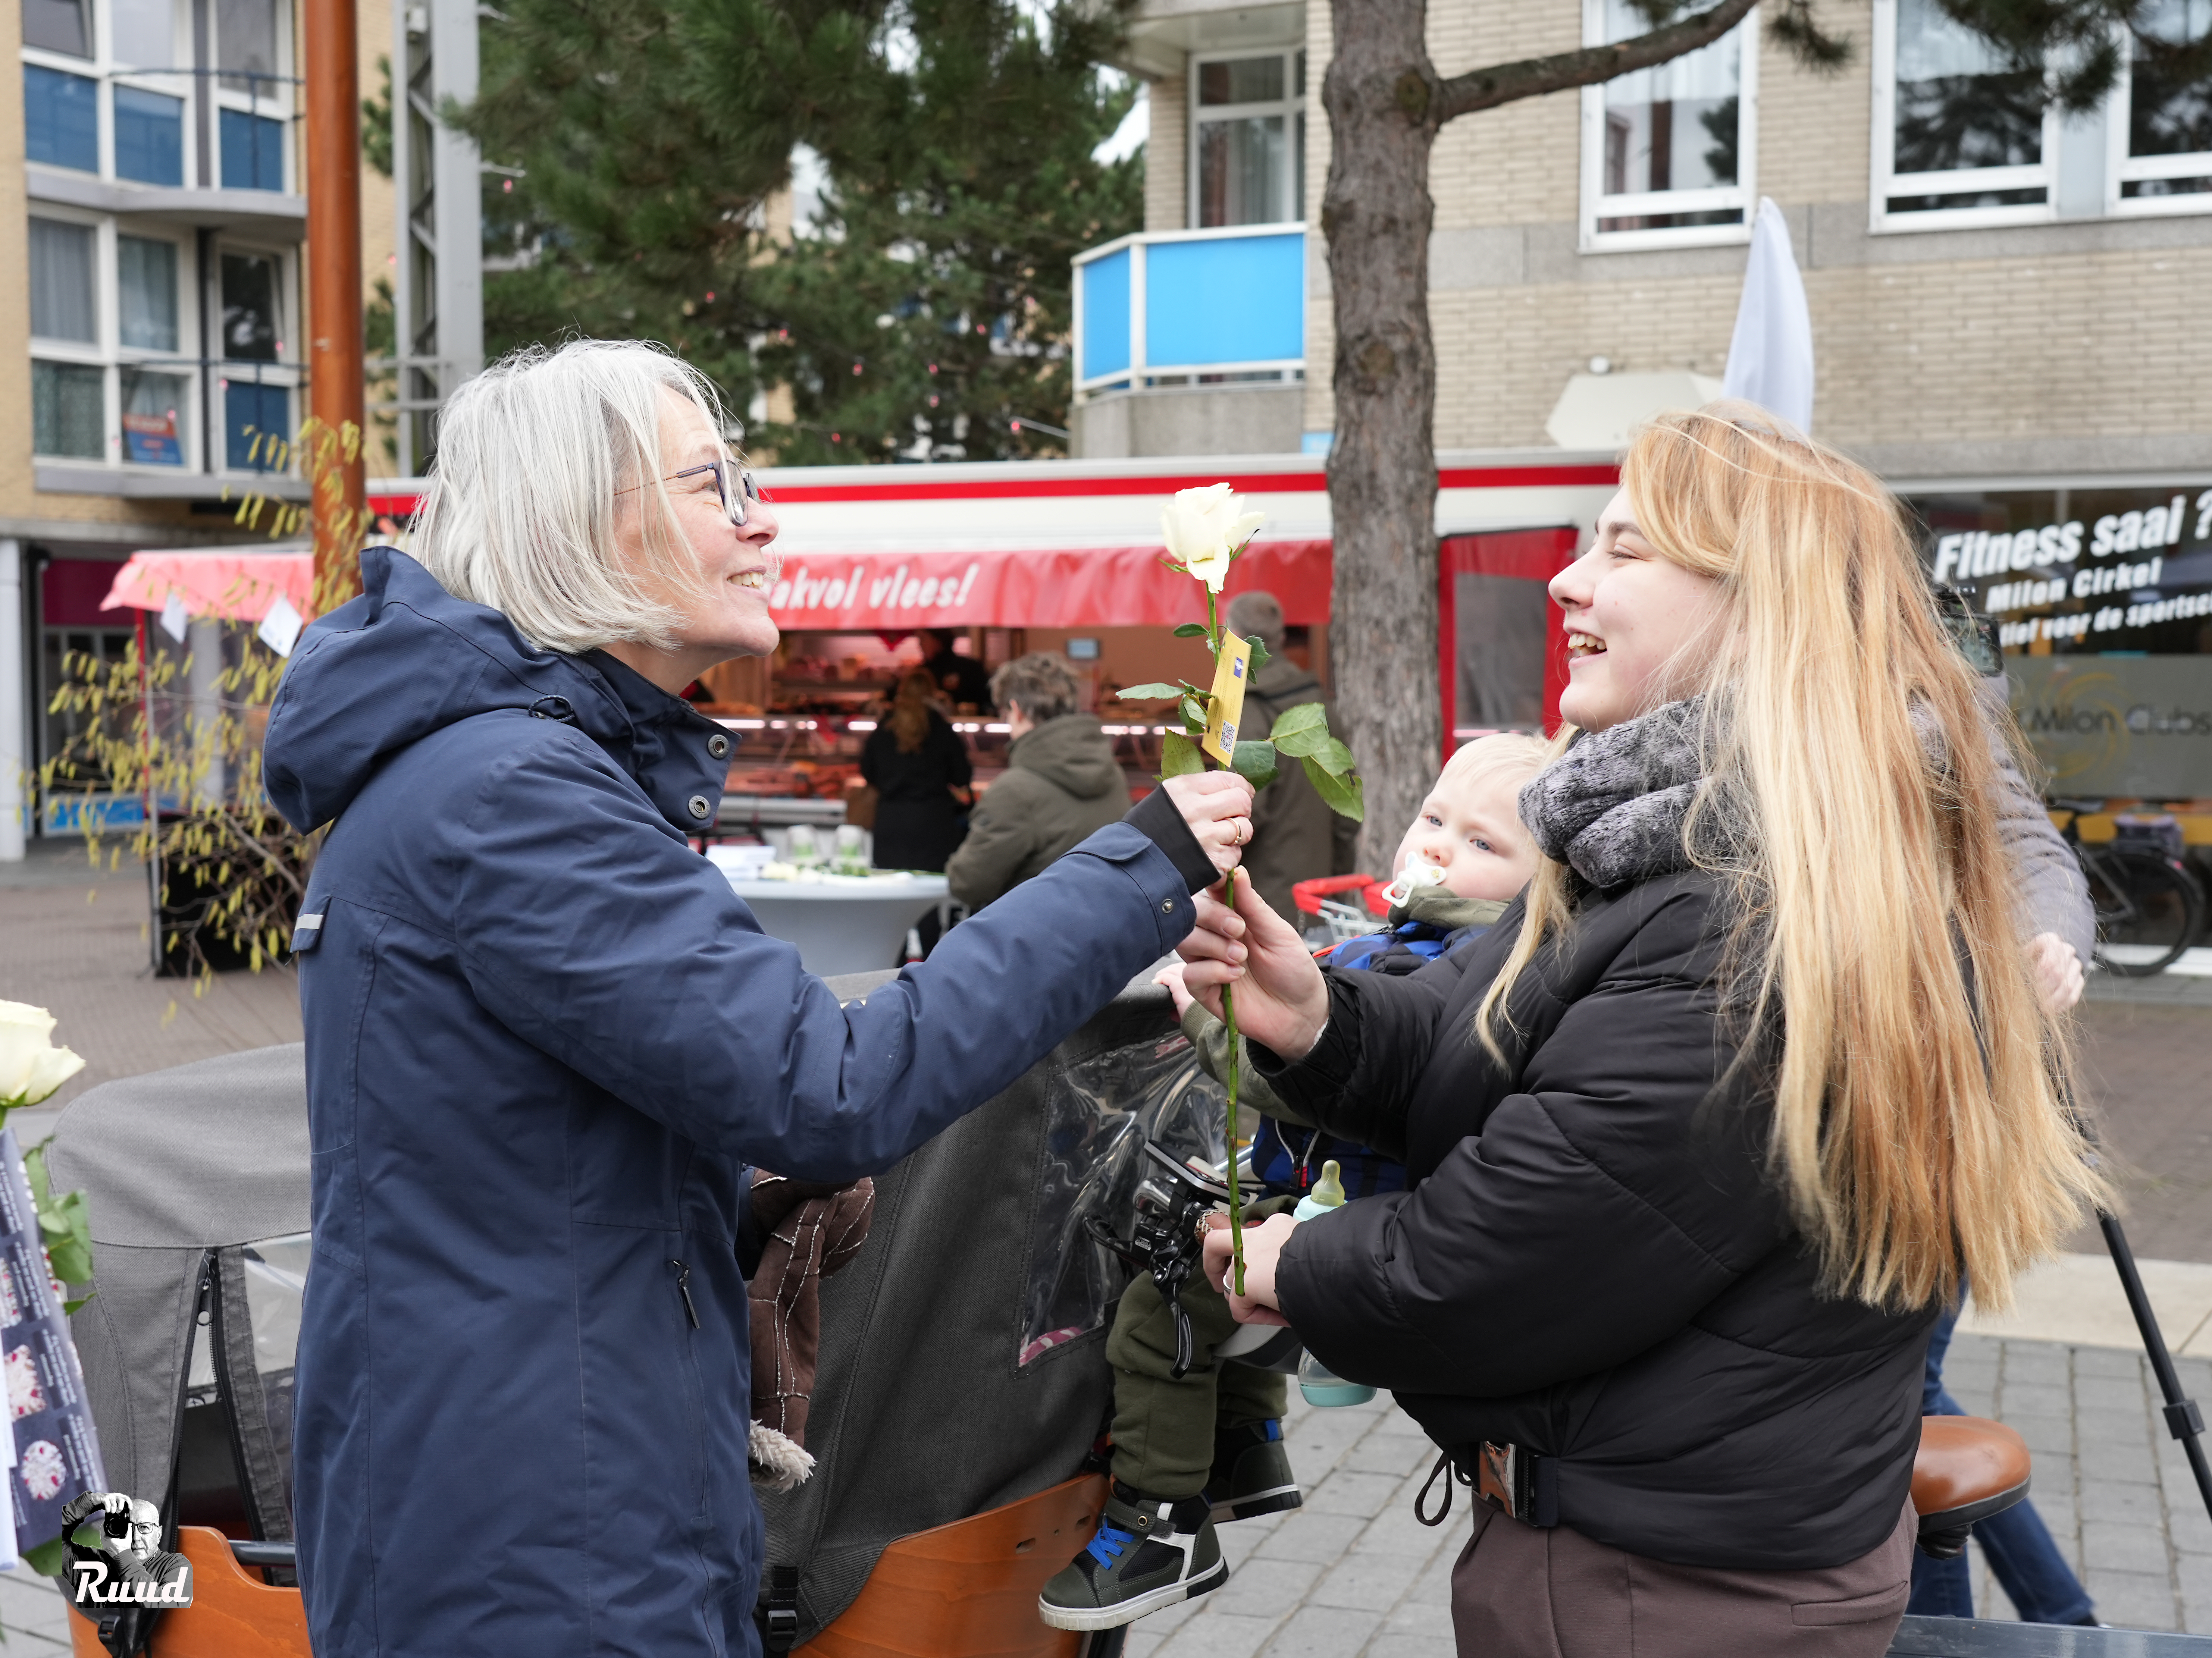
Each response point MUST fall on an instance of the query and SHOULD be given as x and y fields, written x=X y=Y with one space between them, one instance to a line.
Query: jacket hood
x=1071 y=751
x=406 y=659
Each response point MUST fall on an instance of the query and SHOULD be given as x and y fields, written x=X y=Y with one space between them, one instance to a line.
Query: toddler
x=1208 y=1448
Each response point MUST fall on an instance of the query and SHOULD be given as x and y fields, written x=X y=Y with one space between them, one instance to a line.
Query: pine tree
x=639 y=141
x=928 y=316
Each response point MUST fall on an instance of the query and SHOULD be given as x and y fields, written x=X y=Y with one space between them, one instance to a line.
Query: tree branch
x=1506 y=83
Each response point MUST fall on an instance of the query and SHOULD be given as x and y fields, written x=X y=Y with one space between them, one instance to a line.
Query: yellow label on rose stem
x=1231 y=675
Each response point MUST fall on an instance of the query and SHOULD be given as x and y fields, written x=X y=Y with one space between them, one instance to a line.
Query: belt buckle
x=1498 y=1477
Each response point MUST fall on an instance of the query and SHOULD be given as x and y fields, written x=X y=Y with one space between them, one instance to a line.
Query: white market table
x=848 y=923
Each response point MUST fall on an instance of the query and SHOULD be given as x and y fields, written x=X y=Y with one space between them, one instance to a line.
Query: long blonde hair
x=1924 y=1113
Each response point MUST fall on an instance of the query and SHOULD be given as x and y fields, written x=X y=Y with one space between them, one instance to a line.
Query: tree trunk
x=1376 y=214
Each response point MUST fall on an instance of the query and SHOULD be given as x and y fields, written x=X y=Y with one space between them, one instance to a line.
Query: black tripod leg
x=2183 y=1419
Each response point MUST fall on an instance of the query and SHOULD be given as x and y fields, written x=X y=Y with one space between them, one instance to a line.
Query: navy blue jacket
x=545 y=1043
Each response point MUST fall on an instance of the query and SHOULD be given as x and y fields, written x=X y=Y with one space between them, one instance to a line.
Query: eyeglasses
x=735 y=484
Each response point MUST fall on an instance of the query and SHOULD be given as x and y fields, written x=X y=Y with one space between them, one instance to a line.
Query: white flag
x=280 y=628
x=174 y=619
x=1770 y=359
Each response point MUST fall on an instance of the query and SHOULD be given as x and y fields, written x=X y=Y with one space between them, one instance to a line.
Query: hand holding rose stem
x=1205 y=534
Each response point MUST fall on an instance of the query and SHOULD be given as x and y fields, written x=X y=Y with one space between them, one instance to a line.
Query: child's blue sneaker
x=1145 y=1556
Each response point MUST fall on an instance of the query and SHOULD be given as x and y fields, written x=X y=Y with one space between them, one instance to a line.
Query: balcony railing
x=1191 y=305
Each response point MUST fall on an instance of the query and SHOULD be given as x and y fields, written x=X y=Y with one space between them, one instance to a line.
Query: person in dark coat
x=965 y=682
x=1704 y=1134
x=547 y=1046
x=916 y=762
x=1062 y=781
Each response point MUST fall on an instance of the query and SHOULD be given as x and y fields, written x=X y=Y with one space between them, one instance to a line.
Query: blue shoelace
x=1106 y=1547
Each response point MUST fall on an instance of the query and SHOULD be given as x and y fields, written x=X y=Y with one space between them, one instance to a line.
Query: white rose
x=30 y=1067
x=1203 y=529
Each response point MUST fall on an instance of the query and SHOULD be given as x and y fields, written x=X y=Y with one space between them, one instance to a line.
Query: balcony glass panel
x=249 y=308
x=252 y=411
x=63 y=303
x=155 y=407
x=57 y=26
x=61 y=119
x=252 y=151
x=1231 y=300
x=150 y=136
x=1106 y=314
x=146 y=292
x=69 y=412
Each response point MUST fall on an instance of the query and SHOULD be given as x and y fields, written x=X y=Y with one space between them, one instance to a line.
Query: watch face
x=1974 y=634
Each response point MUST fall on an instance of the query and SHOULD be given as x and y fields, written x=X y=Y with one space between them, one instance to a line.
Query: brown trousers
x=1519 y=1592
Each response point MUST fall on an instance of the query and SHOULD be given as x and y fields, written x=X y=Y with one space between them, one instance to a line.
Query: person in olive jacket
x=1707 y=1131
x=1061 y=783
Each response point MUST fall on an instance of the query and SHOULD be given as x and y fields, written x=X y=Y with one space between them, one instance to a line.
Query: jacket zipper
x=683 y=1289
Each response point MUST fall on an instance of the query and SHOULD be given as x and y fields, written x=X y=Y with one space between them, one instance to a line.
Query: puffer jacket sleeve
x=1597 y=1210
x=588 y=927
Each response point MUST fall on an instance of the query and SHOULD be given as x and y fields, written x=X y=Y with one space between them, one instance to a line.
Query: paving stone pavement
x=1353 y=1574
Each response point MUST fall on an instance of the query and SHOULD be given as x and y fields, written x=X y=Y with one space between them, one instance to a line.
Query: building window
x=150 y=136
x=1248 y=139
x=57 y=26
x=258 y=419
x=146 y=294
x=1667 y=151
x=252 y=151
x=64 y=303
x=249 y=308
x=61 y=119
x=69 y=410
x=2166 y=111
x=154 y=409
x=1960 y=135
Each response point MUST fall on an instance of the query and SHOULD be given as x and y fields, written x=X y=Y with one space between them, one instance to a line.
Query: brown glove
x=813 y=1230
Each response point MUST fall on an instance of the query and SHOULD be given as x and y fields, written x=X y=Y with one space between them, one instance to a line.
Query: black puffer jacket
x=1592 y=1263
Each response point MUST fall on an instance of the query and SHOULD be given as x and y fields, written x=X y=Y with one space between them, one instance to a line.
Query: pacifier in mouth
x=1415 y=876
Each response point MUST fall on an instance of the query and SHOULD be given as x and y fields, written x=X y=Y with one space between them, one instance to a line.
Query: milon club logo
x=128 y=1566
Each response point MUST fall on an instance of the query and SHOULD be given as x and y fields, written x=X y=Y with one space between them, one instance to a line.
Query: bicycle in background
x=2149 y=905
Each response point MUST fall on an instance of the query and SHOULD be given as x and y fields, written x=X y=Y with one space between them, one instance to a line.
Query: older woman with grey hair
x=546 y=1045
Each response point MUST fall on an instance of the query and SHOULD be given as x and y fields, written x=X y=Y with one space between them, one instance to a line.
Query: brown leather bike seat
x=1967 y=1468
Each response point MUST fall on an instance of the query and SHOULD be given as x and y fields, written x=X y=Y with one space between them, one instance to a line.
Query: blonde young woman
x=1702 y=1137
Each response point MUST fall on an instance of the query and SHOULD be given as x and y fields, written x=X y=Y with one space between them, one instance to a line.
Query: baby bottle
x=1321 y=1385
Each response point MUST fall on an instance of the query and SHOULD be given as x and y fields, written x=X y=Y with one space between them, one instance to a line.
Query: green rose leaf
x=1191 y=630
x=1255 y=762
x=1194 y=713
x=69 y=1308
x=1332 y=757
x=1344 y=794
x=1151 y=693
x=1260 y=658
x=1301 y=730
x=1179 y=757
x=50 y=1559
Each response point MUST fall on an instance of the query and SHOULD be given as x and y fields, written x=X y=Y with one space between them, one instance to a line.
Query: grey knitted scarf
x=1611 y=808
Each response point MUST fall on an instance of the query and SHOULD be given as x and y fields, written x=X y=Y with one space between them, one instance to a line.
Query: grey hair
x=520 y=513
x=1041 y=683
x=1257 y=613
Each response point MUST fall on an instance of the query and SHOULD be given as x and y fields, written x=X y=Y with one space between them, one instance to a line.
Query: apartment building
x=2007 y=301
x=152 y=338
